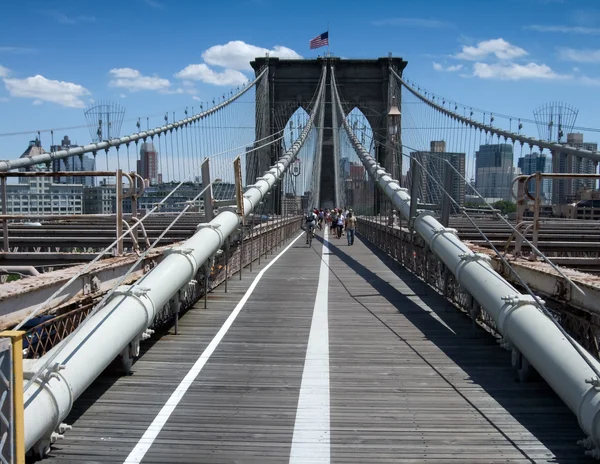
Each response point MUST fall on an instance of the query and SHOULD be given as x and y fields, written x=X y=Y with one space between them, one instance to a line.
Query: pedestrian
x=350 y=228
x=340 y=224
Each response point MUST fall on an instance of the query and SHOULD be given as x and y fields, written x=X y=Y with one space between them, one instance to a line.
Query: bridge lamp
x=394 y=118
x=393 y=128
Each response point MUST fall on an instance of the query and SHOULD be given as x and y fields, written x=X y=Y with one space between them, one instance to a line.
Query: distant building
x=40 y=195
x=34 y=148
x=536 y=162
x=566 y=190
x=100 y=199
x=433 y=163
x=147 y=165
x=496 y=182
x=494 y=170
x=76 y=163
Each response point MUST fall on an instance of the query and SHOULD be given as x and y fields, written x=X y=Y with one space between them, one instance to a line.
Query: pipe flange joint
x=443 y=230
x=520 y=300
x=594 y=381
x=208 y=225
x=62 y=428
x=139 y=293
x=586 y=443
x=187 y=253
x=475 y=257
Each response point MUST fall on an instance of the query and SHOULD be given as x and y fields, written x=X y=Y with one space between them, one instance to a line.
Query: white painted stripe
x=160 y=420
x=311 y=441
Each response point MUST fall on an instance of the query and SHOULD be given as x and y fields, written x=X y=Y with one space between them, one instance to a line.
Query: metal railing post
x=16 y=404
x=119 y=207
x=414 y=190
x=207 y=197
x=226 y=262
x=206 y=271
x=4 y=213
x=446 y=199
x=536 y=208
x=241 y=250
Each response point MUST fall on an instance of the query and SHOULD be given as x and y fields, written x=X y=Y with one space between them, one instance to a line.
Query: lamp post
x=393 y=132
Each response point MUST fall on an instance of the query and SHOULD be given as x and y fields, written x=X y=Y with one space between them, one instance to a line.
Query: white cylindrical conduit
x=518 y=319
x=129 y=312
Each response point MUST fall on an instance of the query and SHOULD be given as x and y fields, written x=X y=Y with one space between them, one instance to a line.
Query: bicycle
x=311 y=233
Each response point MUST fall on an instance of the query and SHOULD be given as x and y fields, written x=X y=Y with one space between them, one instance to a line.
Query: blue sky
x=153 y=56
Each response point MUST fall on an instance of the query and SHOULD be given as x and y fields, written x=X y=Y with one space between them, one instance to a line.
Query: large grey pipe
x=130 y=311
x=518 y=319
x=9 y=165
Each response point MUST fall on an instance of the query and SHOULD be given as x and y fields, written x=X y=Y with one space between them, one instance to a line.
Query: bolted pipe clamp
x=131 y=290
x=587 y=443
x=138 y=293
x=520 y=300
x=443 y=230
x=54 y=437
x=208 y=225
x=179 y=251
x=475 y=257
x=62 y=428
x=594 y=381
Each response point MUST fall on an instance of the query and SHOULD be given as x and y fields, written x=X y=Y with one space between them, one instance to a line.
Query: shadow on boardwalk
x=534 y=405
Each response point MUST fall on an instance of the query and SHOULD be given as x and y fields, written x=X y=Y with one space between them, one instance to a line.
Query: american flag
x=320 y=40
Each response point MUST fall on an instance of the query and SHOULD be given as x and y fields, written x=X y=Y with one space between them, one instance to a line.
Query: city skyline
x=508 y=66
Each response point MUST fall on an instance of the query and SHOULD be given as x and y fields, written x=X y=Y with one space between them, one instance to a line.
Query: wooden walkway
x=410 y=379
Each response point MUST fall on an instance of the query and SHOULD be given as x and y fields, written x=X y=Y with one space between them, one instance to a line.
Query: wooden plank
x=411 y=381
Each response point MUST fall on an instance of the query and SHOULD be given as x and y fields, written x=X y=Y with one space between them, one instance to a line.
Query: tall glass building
x=536 y=162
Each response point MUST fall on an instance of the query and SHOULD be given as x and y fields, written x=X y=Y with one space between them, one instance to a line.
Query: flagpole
x=328 y=55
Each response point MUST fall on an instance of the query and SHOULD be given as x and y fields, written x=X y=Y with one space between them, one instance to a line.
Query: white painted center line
x=311 y=440
x=142 y=447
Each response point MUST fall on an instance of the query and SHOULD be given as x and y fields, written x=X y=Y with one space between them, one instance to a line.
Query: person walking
x=340 y=224
x=350 y=228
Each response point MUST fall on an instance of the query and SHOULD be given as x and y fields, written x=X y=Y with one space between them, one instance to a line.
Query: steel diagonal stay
x=8 y=165
x=558 y=360
x=532 y=142
x=126 y=316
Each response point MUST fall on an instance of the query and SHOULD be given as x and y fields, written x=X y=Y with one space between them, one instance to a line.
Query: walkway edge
x=144 y=444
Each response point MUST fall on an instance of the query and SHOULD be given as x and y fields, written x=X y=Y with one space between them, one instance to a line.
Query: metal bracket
x=475 y=257
x=594 y=381
x=179 y=251
x=521 y=300
x=131 y=290
x=443 y=230
x=208 y=225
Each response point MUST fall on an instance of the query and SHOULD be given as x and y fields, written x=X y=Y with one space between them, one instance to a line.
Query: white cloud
x=37 y=102
x=122 y=95
x=500 y=48
x=16 y=50
x=452 y=68
x=42 y=89
x=579 y=56
x=133 y=80
x=4 y=72
x=154 y=4
x=196 y=98
x=238 y=55
x=591 y=81
x=201 y=72
x=416 y=22
x=515 y=72
x=64 y=19
x=564 y=29
x=3 y=99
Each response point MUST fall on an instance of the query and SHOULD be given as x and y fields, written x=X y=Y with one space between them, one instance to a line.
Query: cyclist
x=311 y=222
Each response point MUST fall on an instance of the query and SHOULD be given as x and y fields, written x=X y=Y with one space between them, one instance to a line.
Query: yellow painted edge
x=16 y=338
